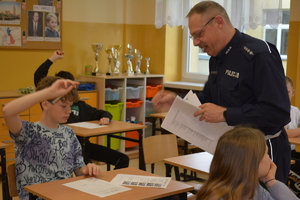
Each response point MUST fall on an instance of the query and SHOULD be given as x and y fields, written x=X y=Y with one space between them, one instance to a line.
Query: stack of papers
x=180 y=121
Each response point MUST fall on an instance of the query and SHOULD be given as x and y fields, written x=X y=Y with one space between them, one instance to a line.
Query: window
x=195 y=62
x=279 y=36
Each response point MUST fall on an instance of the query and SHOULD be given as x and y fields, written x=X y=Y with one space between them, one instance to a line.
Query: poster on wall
x=30 y=24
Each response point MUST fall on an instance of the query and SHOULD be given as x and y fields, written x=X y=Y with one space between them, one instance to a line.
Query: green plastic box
x=116 y=110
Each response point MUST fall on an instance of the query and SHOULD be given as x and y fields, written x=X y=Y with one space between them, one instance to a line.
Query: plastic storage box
x=149 y=108
x=151 y=90
x=116 y=111
x=133 y=103
x=113 y=94
x=132 y=134
x=134 y=92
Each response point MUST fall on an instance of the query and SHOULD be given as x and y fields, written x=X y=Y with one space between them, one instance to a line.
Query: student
x=51 y=22
x=46 y=150
x=84 y=112
x=293 y=130
x=292 y=127
x=240 y=161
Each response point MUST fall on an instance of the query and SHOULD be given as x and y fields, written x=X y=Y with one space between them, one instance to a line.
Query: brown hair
x=234 y=168
x=209 y=9
x=49 y=80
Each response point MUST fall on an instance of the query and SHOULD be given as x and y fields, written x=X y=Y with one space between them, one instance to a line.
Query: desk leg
x=168 y=170
x=142 y=164
x=153 y=125
x=108 y=145
x=5 y=189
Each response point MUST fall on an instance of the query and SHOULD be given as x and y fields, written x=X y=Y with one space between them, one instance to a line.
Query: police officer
x=246 y=83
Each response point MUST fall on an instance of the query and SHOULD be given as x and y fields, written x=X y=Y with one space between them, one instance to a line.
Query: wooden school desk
x=113 y=127
x=5 y=192
x=196 y=162
x=295 y=141
x=56 y=191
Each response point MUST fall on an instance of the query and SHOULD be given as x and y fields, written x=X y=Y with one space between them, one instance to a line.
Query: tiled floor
x=159 y=170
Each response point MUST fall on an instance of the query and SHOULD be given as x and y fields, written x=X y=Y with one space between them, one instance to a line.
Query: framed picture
x=31 y=24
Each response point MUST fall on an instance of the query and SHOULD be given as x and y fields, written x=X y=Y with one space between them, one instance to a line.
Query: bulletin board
x=30 y=24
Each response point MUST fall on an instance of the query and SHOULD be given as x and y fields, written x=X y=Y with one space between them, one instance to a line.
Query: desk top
x=197 y=162
x=113 y=127
x=295 y=141
x=56 y=191
x=3 y=145
x=159 y=115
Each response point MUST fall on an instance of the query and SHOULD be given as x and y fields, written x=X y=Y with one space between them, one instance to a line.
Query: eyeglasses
x=197 y=35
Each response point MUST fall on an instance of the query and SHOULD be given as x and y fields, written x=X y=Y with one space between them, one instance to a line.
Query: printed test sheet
x=88 y=125
x=141 y=181
x=97 y=187
x=180 y=121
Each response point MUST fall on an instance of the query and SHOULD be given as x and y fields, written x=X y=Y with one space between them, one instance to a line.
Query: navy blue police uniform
x=247 y=78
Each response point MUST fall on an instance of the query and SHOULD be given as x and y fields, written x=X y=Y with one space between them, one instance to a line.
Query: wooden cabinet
x=117 y=90
x=33 y=114
x=90 y=97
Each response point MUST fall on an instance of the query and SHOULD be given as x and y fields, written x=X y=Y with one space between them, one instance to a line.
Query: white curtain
x=244 y=14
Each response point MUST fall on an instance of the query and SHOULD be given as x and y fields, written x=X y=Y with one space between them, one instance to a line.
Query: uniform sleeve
x=42 y=71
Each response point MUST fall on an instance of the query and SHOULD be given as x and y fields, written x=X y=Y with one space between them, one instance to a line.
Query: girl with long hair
x=240 y=161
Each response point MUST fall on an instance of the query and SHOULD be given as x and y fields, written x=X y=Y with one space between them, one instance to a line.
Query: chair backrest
x=159 y=147
x=12 y=185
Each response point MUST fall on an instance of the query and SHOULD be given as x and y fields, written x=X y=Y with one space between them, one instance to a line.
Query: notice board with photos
x=30 y=24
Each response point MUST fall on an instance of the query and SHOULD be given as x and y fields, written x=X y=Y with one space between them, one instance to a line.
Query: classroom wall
x=98 y=21
x=293 y=61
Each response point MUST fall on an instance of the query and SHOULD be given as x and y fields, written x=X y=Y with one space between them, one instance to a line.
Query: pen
x=55 y=100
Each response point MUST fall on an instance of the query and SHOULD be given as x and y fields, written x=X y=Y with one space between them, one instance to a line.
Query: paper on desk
x=87 y=125
x=180 y=120
x=141 y=181
x=96 y=187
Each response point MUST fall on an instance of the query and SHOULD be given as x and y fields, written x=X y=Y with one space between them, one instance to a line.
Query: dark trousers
x=105 y=154
x=280 y=153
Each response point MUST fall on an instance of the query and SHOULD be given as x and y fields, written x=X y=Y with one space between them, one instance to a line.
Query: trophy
x=109 y=52
x=115 y=51
x=96 y=48
x=138 y=62
x=147 y=65
x=129 y=56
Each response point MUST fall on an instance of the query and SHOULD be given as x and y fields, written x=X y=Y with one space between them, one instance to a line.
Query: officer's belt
x=273 y=136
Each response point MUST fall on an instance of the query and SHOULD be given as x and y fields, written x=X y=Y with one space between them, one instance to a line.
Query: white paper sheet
x=97 y=187
x=141 y=181
x=192 y=98
x=180 y=121
x=87 y=125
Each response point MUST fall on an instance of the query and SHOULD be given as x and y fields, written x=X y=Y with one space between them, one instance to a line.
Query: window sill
x=184 y=85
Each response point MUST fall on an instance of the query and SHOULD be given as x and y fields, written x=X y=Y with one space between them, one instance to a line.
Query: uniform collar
x=232 y=43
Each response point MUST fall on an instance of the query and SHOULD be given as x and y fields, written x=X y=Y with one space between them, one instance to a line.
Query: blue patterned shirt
x=44 y=154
